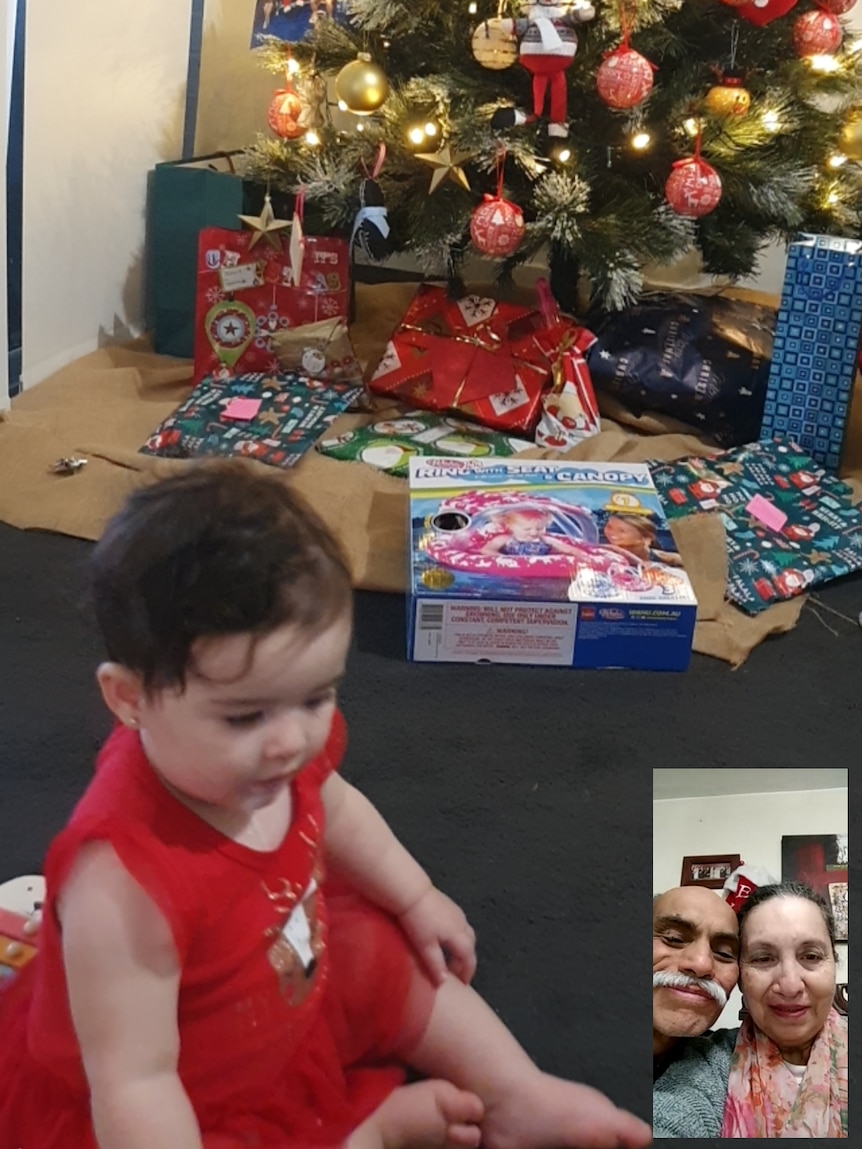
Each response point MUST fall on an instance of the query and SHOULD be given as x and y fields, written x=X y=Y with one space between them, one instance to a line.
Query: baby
x=527 y=534
x=236 y=950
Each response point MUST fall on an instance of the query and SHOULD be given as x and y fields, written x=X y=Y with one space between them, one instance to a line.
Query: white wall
x=104 y=101
x=750 y=825
x=7 y=40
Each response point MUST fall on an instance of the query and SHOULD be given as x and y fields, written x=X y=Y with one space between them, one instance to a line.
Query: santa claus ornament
x=497 y=226
x=547 y=44
x=693 y=188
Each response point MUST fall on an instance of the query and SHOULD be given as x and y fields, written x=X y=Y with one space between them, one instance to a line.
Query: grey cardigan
x=688 y=1098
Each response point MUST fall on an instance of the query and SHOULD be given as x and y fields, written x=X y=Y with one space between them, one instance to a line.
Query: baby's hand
x=443 y=937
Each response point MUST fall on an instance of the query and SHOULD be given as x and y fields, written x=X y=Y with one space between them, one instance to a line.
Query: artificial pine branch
x=605 y=211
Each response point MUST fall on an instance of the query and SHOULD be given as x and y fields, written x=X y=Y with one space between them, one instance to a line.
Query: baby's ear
x=122 y=691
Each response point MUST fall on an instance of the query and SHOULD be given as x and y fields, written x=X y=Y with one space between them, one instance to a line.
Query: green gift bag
x=182 y=198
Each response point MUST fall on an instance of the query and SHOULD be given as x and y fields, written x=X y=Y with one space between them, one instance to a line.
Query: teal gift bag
x=184 y=197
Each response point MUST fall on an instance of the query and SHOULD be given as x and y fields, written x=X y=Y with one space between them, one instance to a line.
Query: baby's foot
x=427 y=1115
x=544 y=1112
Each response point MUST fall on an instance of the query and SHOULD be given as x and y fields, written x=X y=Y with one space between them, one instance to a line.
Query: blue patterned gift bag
x=816 y=345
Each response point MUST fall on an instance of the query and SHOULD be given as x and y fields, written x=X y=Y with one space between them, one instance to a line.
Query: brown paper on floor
x=104 y=406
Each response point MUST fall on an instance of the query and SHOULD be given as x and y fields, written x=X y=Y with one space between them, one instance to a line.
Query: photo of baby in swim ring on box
x=597 y=528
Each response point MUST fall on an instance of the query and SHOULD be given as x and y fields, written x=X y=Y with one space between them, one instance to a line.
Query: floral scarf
x=764 y=1099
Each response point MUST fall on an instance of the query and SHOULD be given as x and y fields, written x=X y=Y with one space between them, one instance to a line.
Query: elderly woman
x=787 y=1073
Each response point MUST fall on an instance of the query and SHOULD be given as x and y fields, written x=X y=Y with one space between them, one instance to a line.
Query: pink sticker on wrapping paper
x=241 y=409
x=766 y=512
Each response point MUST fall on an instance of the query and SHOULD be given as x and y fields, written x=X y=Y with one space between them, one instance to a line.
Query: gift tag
x=241 y=277
x=297 y=248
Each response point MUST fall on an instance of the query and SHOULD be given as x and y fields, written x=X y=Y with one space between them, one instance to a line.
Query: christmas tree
x=681 y=124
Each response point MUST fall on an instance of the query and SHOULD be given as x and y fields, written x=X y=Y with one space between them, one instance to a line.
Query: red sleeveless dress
x=298 y=1001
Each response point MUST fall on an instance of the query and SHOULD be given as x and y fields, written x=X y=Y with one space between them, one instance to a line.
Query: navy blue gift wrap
x=702 y=359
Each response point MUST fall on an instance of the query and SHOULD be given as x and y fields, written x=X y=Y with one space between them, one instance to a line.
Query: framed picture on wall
x=708 y=870
x=821 y=862
x=290 y=20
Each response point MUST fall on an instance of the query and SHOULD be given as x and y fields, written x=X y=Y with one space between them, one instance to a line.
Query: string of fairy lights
x=624 y=81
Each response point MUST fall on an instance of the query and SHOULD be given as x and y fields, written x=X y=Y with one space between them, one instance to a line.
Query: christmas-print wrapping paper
x=389 y=444
x=473 y=356
x=246 y=295
x=272 y=418
x=790 y=524
x=701 y=359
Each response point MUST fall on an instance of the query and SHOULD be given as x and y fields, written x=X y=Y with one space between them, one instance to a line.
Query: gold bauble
x=851 y=137
x=494 y=44
x=728 y=100
x=362 y=85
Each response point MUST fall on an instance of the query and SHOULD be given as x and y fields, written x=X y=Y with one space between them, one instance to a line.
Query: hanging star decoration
x=446 y=166
x=265 y=226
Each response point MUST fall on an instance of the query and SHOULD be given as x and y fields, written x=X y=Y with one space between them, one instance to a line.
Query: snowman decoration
x=547 y=43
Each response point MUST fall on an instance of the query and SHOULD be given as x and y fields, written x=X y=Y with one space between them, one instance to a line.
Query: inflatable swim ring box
x=510 y=562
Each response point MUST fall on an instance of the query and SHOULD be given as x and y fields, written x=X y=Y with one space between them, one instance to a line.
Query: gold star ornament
x=265 y=226
x=446 y=166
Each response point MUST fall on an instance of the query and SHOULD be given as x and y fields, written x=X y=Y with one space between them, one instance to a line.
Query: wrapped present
x=321 y=350
x=272 y=418
x=246 y=295
x=702 y=359
x=814 y=359
x=389 y=444
x=570 y=412
x=790 y=524
x=475 y=357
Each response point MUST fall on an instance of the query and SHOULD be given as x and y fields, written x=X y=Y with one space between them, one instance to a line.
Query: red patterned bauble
x=284 y=112
x=496 y=227
x=624 y=78
x=817 y=33
x=736 y=3
x=693 y=187
x=838 y=7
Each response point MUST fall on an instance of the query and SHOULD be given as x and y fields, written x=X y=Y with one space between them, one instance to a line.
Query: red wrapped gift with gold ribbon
x=474 y=356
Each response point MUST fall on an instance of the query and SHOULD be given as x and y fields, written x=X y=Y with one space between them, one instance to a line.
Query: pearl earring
x=132 y=723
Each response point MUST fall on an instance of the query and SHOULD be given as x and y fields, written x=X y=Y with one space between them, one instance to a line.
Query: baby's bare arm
x=123 y=979
x=361 y=848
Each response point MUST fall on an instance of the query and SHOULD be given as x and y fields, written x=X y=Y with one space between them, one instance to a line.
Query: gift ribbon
x=378 y=163
x=572 y=347
x=571 y=353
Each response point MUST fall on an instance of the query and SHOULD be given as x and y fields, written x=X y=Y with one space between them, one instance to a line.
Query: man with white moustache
x=695 y=967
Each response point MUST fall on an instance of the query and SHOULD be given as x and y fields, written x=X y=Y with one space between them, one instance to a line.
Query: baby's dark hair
x=216 y=550
x=788 y=890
